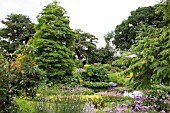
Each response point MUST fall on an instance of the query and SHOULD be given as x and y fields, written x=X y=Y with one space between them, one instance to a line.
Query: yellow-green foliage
x=116 y=77
x=96 y=99
x=86 y=66
x=26 y=106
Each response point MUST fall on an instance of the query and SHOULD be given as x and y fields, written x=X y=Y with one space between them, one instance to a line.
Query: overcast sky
x=94 y=16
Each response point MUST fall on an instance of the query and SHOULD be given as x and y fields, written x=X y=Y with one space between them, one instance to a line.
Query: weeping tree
x=53 y=40
x=151 y=64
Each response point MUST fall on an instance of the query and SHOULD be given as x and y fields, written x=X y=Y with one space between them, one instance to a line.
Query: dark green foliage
x=53 y=38
x=126 y=32
x=165 y=7
x=19 y=29
x=85 y=45
x=151 y=64
x=102 y=55
x=96 y=72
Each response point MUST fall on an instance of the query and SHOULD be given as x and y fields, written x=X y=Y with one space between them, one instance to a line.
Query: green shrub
x=96 y=72
x=95 y=84
x=115 y=77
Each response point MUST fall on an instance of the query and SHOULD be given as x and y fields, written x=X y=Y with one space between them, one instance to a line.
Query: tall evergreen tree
x=53 y=38
x=19 y=29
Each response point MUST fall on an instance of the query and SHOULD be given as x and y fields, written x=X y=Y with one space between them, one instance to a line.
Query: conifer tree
x=53 y=38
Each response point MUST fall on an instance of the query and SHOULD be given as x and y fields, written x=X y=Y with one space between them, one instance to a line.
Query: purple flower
x=162 y=111
x=72 y=107
x=10 y=91
x=4 y=102
x=148 y=92
x=154 y=105
x=123 y=105
x=113 y=103
x=128 y=102
x=155 y=111
x=110 y=111
x=107 y=109
x=123 y=109
x=40 y=108
x=165 y=101
x=116 y=110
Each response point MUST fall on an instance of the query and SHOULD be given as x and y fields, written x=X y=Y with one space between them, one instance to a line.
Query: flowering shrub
x=17 y=76
x=27 y=74
x=7 y=103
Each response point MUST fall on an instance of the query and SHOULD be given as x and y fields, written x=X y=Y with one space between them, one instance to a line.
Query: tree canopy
x=126 y=32
x=19 y=29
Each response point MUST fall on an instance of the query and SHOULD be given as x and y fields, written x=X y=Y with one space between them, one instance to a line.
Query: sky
x=97 y=17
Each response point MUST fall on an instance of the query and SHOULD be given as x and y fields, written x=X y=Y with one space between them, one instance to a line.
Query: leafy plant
x=96 y=72
x=115 y=77
x=28 y=75
x=7 y=103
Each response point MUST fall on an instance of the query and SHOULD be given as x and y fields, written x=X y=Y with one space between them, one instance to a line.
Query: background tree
x=105 y=54
x=85 y=44
x=165 y=8
x=53 y=40
x=126 y=32
x=19 y=29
